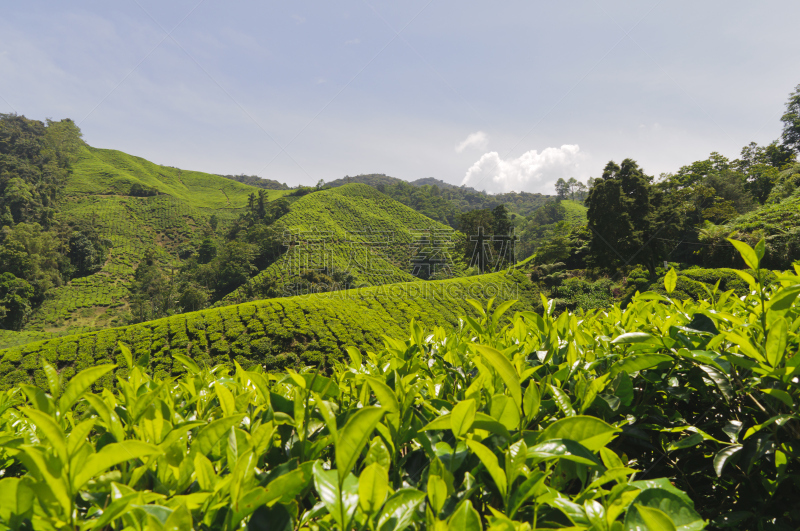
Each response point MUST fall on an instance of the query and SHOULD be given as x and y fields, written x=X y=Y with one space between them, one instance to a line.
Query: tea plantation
x=276 y=333
x=354 y=228
x=99 y=191
x=664 y=415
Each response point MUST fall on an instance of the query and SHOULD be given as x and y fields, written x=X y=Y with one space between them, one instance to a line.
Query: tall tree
x=562 y=188
x=628 y=218
x=791 y=121
x=572 y=186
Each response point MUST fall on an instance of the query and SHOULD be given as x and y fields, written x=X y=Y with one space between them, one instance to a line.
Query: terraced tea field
x=98 y=191
x=357 y=229
x=277 y=332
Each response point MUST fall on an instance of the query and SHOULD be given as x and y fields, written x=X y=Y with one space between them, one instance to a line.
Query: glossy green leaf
x=356 y=359
x=179 y=520
x=532 y=400
x=79 y=383
x=720 y=379
x=112 y=455
x=562 y=400
x=722 y=457
x=784 y=298
x=398 y=512
x=655 y=519
x=437 y=492
x=215 y=430
x=339 y=497
x=388 y=399
x=505 y=412
x=532 y=486
x=563 y=449
x=323 y=386
x=51 y=430
x=576 y=513
x=225 y=397
x=492 y=465
x=777 y=339
x=354 y=436
x=783 y=396
x=53 y=474
x=287 y=487
x=260 y=383
x=635 y=363
x=462 y=417
x=187 y=362
x=631 y=338
x=670 y=280
x=373 y=485
x=53 y=379
x=590 y=432
x=686 y=442
x=500 y=363
x=465 y=518
x=746 y=252
x=682 y=514
x=204 y=472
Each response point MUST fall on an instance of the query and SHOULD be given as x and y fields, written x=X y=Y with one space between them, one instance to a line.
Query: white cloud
x=477 y=140
x=353 y=41
x=531 y=172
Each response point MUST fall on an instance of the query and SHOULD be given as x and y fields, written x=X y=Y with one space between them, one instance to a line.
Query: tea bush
x=275 y=332
x=661 y=416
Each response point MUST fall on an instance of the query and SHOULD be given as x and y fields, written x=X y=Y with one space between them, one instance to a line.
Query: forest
x=187 y=350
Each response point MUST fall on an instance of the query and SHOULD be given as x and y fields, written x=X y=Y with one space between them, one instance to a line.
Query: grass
x=277 y=332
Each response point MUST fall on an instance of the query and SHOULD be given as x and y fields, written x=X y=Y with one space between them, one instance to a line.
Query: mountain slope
x=352 y=229
x=109 y=190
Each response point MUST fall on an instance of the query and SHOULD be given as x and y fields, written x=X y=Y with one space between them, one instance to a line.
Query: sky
x=499 y=96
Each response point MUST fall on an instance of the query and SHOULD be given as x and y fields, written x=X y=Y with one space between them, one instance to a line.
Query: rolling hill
x=274 y=333
x=136 y=206
x=353 y=229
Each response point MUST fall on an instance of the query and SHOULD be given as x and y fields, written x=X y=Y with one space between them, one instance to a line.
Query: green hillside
x=354 y=229
x=274 y=332
x=101 y=191
x=442 y=201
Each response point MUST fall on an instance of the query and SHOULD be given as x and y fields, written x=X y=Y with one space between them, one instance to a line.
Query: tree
x=549 y=213
x=562 y=188
x=207 y=251
x=628 y=218
x=573 y=185
x=581 y=190
x=15 y=301
x=791 y=122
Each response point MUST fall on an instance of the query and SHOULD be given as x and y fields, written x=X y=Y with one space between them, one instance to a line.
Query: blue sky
x=502 y=96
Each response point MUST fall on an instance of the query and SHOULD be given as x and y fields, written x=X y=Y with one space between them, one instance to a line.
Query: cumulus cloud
x=477 y=140
x=531 y=172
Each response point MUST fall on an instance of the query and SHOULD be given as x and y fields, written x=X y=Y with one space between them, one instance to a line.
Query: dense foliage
x=665 y=415
x=39 y=251
x=277 y=332
x=445 y=202
x=258 y=182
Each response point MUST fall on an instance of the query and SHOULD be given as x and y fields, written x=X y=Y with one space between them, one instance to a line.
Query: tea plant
x=274 y=333
x=662 y=415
